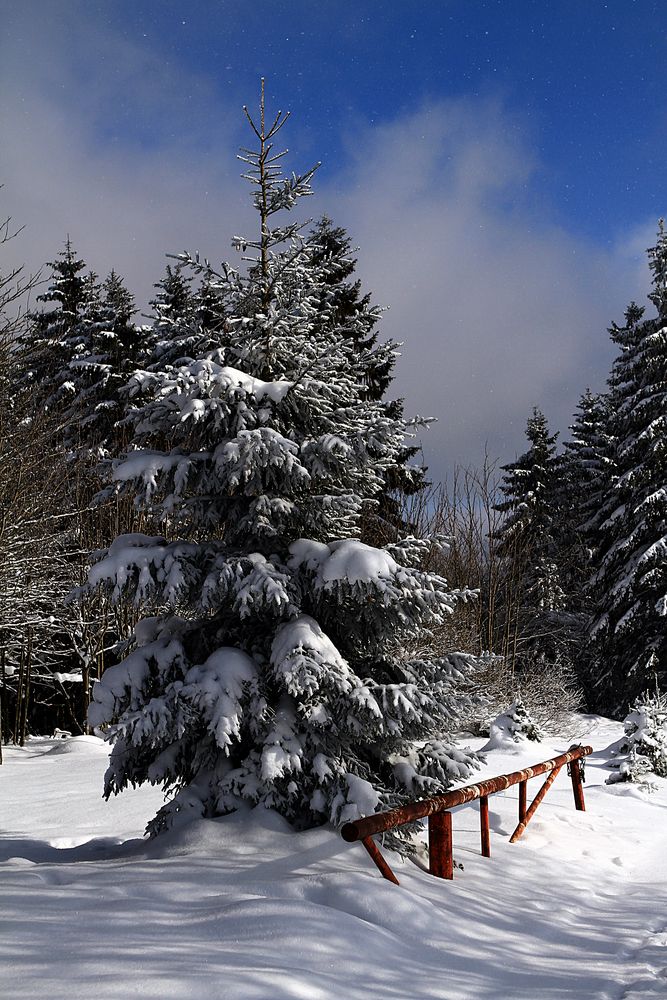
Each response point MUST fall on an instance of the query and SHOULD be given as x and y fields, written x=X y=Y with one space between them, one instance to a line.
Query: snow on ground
x=243 y=909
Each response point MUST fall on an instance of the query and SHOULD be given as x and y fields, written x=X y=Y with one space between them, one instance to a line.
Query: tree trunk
x=2 y=693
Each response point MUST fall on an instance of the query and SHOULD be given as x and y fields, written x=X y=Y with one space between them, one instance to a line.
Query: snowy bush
x=645 y=740
x=513 y=726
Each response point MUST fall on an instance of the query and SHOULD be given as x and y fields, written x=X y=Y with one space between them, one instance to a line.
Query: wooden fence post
x=577 y=784
x=441 y=857
x=484 y=825
x=522 y=801
x=376 y=855
x=530 y=812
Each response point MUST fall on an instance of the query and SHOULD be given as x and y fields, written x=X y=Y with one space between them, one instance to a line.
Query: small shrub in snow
x=634 y=769
x=513 y=726
x=645 y=740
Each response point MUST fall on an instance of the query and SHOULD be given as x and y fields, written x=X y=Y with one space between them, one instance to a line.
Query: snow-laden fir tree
x=39 y=545
x=344 y=306
x=74 y=357
x=277 y=673
x=189 y=321
x=628 y=648
x=112 y=349
x=583 y=491
x=586 y=473
x=175 y=334
x=531 y=606
x=79 y=352
x=515 y=725
x=583 y=485
x=53 y=338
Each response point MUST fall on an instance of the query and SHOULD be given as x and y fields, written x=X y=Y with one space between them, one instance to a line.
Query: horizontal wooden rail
x=437 y=810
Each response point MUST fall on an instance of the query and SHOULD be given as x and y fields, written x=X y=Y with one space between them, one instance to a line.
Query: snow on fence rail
x=441 y=859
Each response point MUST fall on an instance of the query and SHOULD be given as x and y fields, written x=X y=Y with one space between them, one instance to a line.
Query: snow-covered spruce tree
x=598 y=471
x=75 y=356
x=584 y=483
x=36 y=537
x=583 y=493
x=278 y=674
x=352 y=313
x=515 y=725
x=344 y=305
x=175 y=334
x=189 y=322
x=533 y=618
x=628 y=648
x=117 y=348
x=80 y=352
x=52 y=338
x=110 y=345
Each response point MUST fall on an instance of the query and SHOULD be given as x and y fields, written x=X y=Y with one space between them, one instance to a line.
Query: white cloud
x=499 y=309
x=130 y=156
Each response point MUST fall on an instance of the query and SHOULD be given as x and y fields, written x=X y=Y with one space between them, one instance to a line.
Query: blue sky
x=586 y=80
x=500 y=165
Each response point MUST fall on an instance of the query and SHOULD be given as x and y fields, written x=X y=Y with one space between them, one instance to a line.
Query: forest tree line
x=566 y=547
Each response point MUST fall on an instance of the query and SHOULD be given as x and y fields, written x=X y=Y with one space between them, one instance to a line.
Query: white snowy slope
x=244 y=909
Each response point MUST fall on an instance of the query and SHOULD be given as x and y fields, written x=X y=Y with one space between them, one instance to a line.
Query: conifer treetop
x=273 y=191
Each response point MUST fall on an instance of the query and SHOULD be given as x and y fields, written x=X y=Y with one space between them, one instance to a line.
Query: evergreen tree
x=628 y=649
x=40 y=544
x=120 y=308
x=644 y=745
x=82 y=352
x=77 y=356
x=175 y=333
x=531 y=609
x=587 y=463
x=602 y=500
x=189 y=323
x=343 y=306
x=54 y=338
x=278 y=673
x=115 y=346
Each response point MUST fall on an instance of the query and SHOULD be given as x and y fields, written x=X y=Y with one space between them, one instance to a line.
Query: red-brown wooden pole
x=379 y=860
x=523 y=785
x=530 y=812
x=484 y=826
x=440 y=855
x=577 y=785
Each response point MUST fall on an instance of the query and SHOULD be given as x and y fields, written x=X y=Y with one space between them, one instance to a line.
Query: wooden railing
x=441 y=858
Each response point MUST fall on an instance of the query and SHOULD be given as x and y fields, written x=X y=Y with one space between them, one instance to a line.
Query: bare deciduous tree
x=464 y=509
